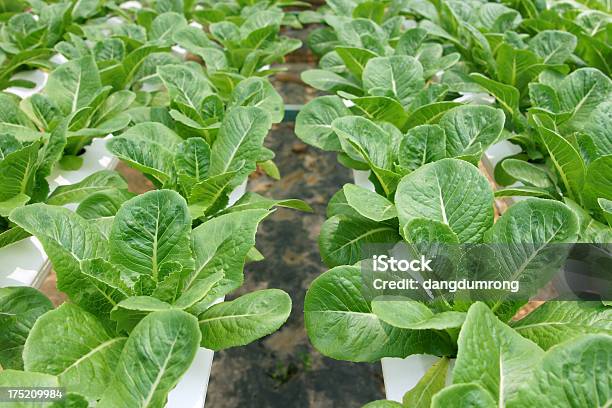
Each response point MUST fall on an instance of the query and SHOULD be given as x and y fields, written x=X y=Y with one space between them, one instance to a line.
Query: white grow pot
x=191 y=390
x=402 y=374
x=38 y=77
x=361 y=179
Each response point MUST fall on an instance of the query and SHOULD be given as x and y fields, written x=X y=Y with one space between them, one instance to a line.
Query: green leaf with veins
x=150 y=231
x=260 y=93
x=598 y=128
x=581 y=92
x=597 y=182
x=254 y=201
x=369 y=204
x=329 y=81
x=423 y=230
x=67 y=239
x=70 y=343
x=493 y=355
x=467 y=126
x=507 y=96
x=244 y=320
x=449 y=191
x=158 y=352
x=103 y=204
x=524 y=242
x=198 y=294
x=220 y=245
x=129 y=312
x=409 y=314
x=74 y=85
x=429 y=114
x=192 y=161
x=553 y=46
x=606 y=206
x=372 y=139
x=344 y=327
x=239 y=141
x=342 y=238
x=463 y=396
x=555 y=322
x=164 y=26
x=583 y=362
x=527 y=173
x=397 y=76
x=567 y=161
x=96 y=182
x=149 y=158
x=153 y=132
x=381 y=109
x=186 y=86
x=544 y=96
x=314 y=122
x=421 y=145
x=517 y=67
x=355 y=59
x=525 y=191
x=420 y=395
x=211 y=195
x=17 y=171
x=7 y=206
x=20 y=307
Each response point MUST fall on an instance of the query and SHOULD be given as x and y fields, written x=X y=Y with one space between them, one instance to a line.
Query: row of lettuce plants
x=182 y=88
x=400 y=74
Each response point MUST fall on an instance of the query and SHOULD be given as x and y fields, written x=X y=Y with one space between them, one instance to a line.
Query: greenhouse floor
x=284 y=369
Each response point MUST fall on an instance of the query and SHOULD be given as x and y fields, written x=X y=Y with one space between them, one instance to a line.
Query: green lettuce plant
x=387 y=14
x=59 y=345
x=422 y=197
x=241 y=48
x=211 y=12
x=567 y=149
x=25 y=166
x=142 y=274
x=74 y=91
x=586 y=21
x=434 y=132
x=26 y=40
x=497 y=366
x=199 y=106
x=125 y=60
x=205 y=174
x=448 y=202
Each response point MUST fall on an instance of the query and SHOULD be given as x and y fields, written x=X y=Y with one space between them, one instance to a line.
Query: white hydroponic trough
x=25 y=263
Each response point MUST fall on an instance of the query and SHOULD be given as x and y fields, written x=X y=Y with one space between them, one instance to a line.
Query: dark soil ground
x=283 y=369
